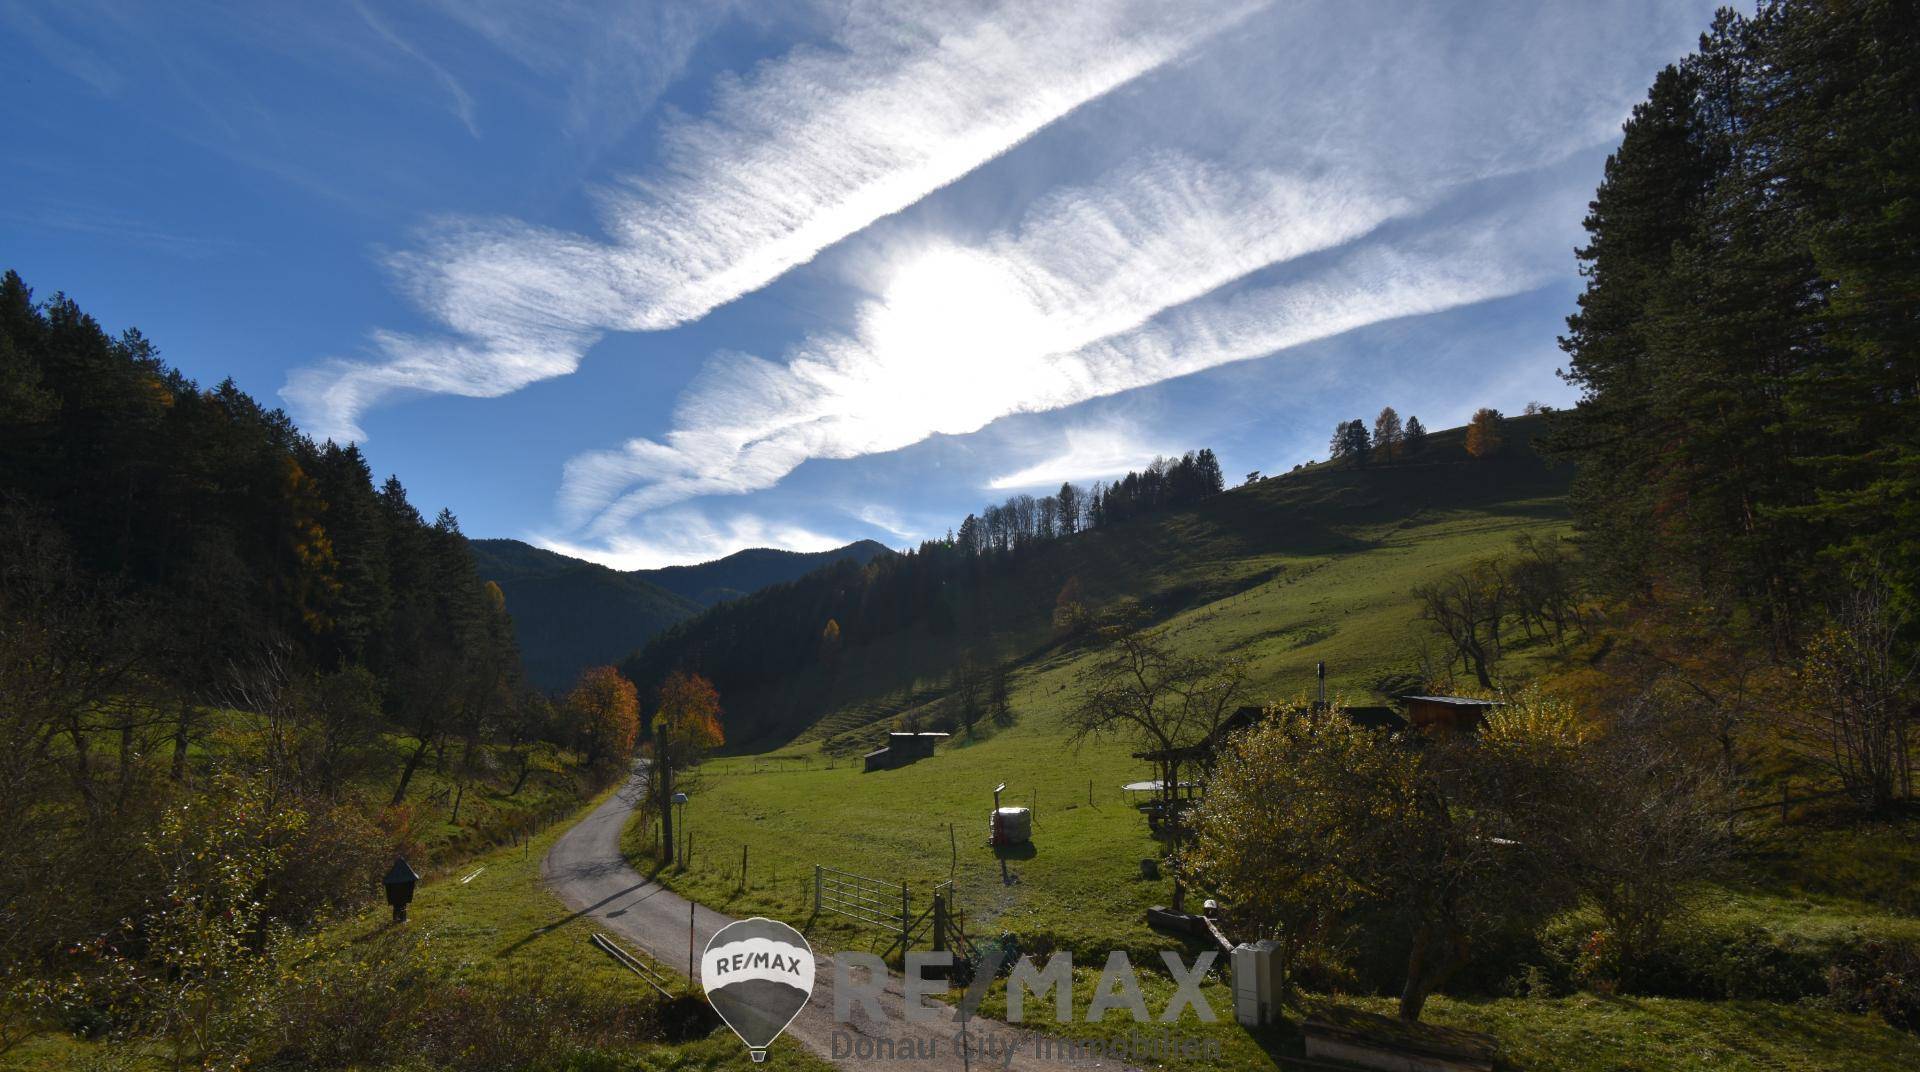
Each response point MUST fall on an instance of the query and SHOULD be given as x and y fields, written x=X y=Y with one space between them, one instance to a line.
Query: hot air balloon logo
x=758 y=974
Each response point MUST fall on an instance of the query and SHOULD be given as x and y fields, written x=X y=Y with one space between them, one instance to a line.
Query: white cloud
x=608 y=60
x=1054 y=313
x=1093 y=453
x=888 y=519
x=1362 y=147
x=790 y=159
x=461 y=100
x=687 y=536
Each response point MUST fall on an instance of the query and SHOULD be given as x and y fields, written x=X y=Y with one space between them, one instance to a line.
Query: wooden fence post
x=743 y=865
x=939 y=921
x=906 y=920
x=818 y=882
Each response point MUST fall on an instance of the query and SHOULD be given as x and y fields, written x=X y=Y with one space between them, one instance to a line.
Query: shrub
x=1007 y=946
x=334 y=861
x=1690 y=962
x=1882 y=977
x=388 y=1004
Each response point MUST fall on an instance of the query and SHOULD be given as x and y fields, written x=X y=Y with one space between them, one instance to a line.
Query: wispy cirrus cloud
x=795 y=157
x=608 y=61
x=1054 y=312
x=459 y=99
x=888 y=519
x=750 y=422
x=1094 y=452
x=1307 y=216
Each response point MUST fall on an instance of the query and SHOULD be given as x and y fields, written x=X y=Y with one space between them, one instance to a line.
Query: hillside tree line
x=227 y=654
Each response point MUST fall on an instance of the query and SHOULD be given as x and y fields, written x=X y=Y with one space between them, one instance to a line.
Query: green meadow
x=1335 y=585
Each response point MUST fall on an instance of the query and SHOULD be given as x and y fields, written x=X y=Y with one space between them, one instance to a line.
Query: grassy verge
x=495 y=940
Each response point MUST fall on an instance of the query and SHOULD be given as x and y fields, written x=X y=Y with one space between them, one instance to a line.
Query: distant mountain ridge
x=569 y=614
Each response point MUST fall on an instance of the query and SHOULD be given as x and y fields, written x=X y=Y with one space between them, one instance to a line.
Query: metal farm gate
x=888 y=906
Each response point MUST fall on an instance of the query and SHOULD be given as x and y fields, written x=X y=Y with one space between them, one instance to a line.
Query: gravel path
x=586 y=870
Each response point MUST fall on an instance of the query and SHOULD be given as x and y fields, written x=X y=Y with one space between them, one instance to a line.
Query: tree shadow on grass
x=540 y=932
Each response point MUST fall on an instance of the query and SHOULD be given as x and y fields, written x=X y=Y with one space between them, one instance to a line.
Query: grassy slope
x=488 y=814
x=488 y=817
x=1253 y=555
x=1330 y=582
x=1341 y=552
x=496 y=931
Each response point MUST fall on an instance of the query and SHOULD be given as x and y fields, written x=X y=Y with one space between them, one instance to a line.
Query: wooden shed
x=1431 y=713
x=902 y=748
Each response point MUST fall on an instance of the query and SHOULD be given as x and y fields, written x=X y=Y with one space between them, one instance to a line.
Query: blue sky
x=652 y=283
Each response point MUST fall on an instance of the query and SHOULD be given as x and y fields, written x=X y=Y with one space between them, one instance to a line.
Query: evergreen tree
x=1070 y=507
x=1350 y=440
x=1745 y=347
x=999 y=698
x=1414 y=439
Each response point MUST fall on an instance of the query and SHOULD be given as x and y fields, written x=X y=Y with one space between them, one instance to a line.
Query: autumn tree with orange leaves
x=1484 y=432
x=604 y=709
x=686 y=726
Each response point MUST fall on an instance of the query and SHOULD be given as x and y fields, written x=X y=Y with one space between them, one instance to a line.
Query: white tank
x=1012 y=826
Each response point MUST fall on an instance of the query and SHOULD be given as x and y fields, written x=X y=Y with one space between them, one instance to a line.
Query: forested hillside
x=569 y=614
x=216 y=539
x=1746 y=346
x=745 y=572
x=237 y=676
x=890 y=635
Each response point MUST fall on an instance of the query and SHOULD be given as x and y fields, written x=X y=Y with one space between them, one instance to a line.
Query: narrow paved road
x=586 y=870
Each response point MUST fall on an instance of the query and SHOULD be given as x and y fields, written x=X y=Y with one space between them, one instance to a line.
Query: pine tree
x=1746 y=344
x=1350 y=440
x=1414 y=440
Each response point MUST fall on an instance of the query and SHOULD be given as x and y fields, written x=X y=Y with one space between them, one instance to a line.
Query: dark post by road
x=743 y=865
